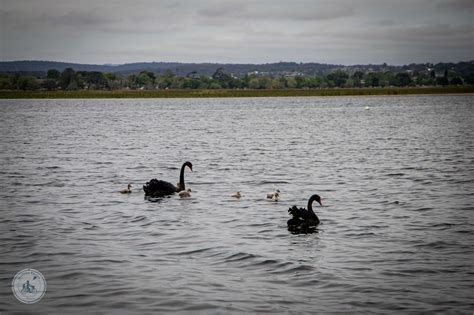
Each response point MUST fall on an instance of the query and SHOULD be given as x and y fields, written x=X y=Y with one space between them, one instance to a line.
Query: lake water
x=397 y=182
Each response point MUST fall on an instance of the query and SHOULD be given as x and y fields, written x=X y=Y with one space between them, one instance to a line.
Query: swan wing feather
x=158 y=188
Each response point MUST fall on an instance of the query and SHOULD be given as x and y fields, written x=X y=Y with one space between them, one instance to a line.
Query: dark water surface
x=397 y=182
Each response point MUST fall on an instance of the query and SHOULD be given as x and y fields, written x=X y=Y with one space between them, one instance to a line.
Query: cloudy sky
x=238 y=31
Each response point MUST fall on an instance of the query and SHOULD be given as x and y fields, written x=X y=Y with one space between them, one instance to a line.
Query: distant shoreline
x=91 y=94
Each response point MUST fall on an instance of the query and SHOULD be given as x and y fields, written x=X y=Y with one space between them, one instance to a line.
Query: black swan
x=159 y=188
x=304 y=219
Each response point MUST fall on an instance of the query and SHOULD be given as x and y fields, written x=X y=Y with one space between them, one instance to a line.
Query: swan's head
x=189 y=164
x=316 y=198
x=129 y=186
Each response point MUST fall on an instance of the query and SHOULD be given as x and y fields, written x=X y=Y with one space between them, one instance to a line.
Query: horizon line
x=235 y=63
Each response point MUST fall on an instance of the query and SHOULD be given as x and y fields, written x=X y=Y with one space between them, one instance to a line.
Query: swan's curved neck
x=310 y=207
x=181 y=178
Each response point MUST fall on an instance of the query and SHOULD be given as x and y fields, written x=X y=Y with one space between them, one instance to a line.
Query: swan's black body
x=159 y=188
x=304 y=220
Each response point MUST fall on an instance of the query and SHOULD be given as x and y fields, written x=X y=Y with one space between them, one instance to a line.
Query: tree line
x=69 y=79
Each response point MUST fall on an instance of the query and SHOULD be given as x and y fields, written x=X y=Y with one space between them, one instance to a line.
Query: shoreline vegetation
x=206 y=93
x=149 y=83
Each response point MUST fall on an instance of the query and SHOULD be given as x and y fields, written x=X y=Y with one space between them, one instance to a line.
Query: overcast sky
x=238 y=31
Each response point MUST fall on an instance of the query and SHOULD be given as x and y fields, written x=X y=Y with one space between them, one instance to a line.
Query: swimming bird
x=160 y=188
x=127 y=190
x=185 y=193
x=237 y=195
x=274 y=195
x=304 y=220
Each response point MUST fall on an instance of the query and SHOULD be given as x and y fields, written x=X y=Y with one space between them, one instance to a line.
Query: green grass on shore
x=232 y=93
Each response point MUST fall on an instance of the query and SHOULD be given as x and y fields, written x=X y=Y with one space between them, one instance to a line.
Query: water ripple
x=397 y=228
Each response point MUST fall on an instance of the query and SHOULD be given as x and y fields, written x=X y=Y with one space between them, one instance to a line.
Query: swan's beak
x=321 y=202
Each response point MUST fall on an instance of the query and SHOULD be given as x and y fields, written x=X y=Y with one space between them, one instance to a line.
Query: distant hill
x=180 y=69
x=272 y=69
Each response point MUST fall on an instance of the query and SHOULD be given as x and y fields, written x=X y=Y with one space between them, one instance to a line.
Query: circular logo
x=29 y=286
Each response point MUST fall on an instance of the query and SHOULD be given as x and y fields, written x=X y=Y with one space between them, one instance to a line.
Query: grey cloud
x=16 y=19
x=305 y=13
x=343 y=31
x=456 y=4
x=81 y=18
x=220 y=9
x=434 y=31
x=299 y=10
x=384 y=22
x=95 y=19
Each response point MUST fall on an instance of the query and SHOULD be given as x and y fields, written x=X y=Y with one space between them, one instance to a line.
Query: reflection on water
x=396 y=182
